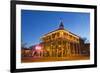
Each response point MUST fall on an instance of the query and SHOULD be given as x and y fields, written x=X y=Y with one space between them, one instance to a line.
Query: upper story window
x=61 y=33
x=70 y=36
x=53 y=35
x=58 y=34
x=65 y=34
x=49 y=37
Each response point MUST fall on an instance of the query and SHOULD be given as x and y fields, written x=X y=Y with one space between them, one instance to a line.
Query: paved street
x=47 y=59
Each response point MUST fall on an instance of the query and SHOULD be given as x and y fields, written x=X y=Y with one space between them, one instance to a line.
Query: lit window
x=61 y=33
x=58 y=34
x=53 y=35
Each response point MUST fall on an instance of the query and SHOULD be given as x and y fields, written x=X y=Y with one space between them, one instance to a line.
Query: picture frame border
x=13 y=35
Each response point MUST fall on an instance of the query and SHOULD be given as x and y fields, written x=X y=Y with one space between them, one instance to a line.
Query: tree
x=85 y=40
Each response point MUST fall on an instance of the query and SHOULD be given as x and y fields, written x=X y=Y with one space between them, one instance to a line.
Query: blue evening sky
x=34 y=24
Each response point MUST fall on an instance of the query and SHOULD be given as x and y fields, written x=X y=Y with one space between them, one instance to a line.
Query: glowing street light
x=38 y=47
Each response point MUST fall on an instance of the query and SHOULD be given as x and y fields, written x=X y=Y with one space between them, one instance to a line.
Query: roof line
x=62 y=29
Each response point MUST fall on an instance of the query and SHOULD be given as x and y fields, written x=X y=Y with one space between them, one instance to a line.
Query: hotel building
x=62 y=43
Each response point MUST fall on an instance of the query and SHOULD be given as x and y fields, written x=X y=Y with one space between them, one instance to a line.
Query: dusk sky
x=34 y=24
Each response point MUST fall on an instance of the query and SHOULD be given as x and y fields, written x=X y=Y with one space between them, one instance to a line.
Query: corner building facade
x=61 y=43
